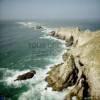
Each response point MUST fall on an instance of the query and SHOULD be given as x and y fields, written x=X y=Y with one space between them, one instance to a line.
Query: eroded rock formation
x=81 y=66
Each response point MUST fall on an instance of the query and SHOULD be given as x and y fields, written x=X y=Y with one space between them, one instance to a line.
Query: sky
x=50 y=9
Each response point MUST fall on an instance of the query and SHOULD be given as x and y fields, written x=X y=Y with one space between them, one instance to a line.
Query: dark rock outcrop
x=70 y=41
x=26 y=76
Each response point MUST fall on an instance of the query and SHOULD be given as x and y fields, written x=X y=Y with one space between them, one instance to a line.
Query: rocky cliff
x=81 y=66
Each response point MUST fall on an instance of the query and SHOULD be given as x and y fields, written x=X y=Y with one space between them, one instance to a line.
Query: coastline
x=78 y=66
x=60 y=67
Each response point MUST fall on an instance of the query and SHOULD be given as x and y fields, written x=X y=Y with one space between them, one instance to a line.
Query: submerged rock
x=26 y=76
x=39 y=27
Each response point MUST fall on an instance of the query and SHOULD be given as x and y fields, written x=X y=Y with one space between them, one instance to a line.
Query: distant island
x=81 y=64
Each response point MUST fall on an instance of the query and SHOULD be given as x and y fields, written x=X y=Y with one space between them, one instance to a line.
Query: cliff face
x=81 y=66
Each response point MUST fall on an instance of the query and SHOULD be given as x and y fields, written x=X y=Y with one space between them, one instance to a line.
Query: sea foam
x=36 y=85
x=28 y=24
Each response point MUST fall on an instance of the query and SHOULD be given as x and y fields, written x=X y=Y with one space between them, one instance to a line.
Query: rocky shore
x=81 y=66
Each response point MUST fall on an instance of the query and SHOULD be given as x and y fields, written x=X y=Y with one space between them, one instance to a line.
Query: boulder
x=26 y=76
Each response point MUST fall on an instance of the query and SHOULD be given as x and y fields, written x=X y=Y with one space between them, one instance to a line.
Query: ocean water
x=23 y=49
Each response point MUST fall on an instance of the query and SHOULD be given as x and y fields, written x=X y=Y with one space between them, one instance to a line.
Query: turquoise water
x=22 y=49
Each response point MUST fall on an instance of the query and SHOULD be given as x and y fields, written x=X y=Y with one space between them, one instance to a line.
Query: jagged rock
x=70 y=41
x=65 y=56
x=59 y=74
x=54 y=67
x=81 y=67
x=26 y=76
x=52 y=33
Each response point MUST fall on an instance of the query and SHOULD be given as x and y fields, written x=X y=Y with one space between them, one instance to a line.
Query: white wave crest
x=29 y=24
x=11 y=75
x=52 y=38
x=39 y=93
x=47 y=30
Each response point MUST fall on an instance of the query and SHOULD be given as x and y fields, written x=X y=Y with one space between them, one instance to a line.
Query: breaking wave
x=36 y=85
